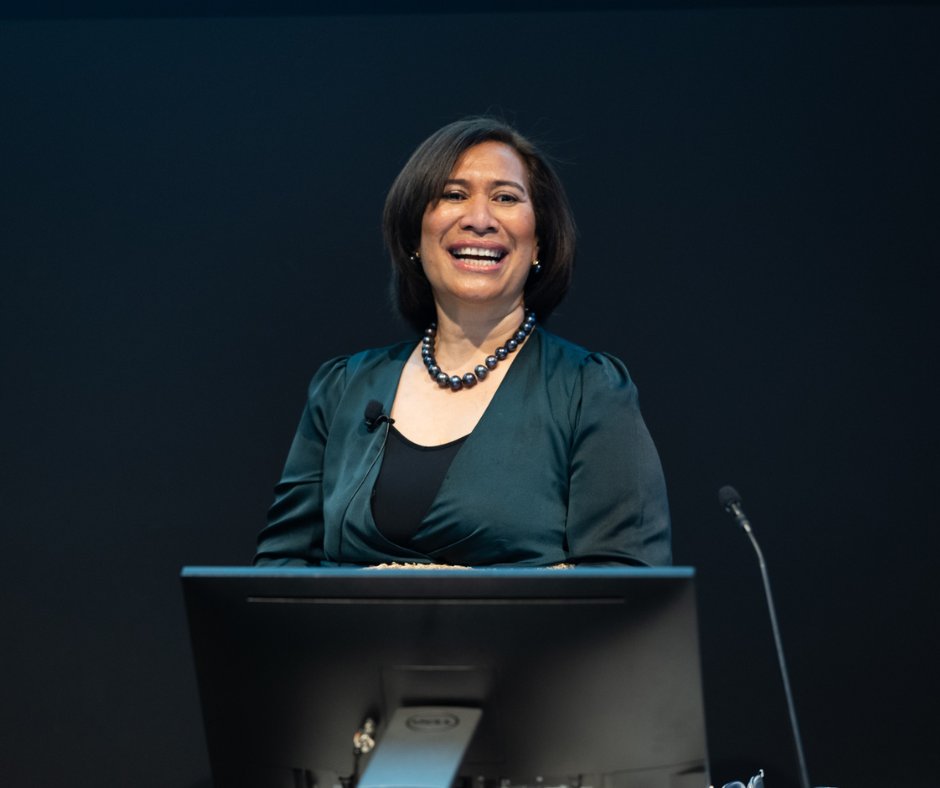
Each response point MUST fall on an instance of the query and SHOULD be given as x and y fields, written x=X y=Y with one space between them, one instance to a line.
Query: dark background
x=189 y=226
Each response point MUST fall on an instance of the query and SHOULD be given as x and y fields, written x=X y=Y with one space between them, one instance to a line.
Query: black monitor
x=575 y=677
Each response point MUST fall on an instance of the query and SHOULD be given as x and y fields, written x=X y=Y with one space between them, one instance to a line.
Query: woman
x=503 y=445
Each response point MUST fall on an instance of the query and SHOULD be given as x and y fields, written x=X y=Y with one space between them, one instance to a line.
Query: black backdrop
x=190 y=225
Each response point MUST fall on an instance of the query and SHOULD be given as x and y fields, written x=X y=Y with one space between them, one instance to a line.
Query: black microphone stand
x=731 y=501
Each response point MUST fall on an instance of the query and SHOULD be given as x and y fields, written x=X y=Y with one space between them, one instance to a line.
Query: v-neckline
x=510 y=381
x=521 y=354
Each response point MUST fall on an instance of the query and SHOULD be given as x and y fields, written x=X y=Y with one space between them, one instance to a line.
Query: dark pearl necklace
x=456 y=382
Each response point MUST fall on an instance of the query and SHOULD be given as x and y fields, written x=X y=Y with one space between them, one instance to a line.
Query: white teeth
x=477 y=251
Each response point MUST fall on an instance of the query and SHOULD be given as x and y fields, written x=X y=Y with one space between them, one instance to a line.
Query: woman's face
x=478 y=240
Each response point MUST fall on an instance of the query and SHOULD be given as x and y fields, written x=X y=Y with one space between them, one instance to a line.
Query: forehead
x=491 y=161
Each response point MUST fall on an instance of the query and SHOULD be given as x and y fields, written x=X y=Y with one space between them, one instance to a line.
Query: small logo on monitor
x=427 y=723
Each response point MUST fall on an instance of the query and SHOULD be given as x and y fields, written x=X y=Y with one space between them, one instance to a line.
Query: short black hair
x=421 y=183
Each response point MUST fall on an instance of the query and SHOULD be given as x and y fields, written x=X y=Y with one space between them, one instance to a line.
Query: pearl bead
x=501 y=353
x=469 y=380
x=511 y=345
x=455 y=383
x=480 y=371
x=491 y=361
x=443 y=380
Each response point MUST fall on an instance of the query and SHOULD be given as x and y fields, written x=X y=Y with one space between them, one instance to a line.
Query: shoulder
x=343 y=386
x=366 y=361
x=582 y=366
x=581 y=386
x=338 y=372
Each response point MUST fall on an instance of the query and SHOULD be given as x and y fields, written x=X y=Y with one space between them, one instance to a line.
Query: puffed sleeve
x=617 y=506
x=294 y=533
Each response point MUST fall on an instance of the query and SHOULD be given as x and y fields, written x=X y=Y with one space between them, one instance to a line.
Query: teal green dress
x=560 y=468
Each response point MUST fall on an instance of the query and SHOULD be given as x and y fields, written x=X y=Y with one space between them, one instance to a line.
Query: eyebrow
x=464 y=182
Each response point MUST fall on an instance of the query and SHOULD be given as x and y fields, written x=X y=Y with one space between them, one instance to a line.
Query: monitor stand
x=423 y=747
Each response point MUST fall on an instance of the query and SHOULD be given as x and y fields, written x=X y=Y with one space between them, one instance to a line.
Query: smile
x=483 y=255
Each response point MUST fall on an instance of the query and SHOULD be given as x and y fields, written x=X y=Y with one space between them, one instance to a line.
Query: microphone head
x=373 y=411
x=728 y=496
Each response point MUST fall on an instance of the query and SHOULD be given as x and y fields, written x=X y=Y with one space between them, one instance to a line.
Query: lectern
x=534 y=677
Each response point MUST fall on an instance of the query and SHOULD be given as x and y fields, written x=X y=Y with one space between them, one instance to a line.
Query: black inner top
x=407 y=484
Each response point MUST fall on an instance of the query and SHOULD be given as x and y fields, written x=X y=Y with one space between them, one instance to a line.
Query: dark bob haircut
x=421 y=183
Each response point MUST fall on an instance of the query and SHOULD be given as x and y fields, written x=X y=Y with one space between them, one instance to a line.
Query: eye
x=453 y=195
x=506 y=198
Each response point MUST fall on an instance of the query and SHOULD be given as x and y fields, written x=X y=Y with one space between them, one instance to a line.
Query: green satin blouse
x=560 y=468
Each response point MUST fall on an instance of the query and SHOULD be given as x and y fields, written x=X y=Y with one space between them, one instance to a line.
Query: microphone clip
x=373 y=424
x=374 y=417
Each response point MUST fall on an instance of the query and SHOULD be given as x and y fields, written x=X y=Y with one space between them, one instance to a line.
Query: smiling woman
x=478 y=239
x=528 y=450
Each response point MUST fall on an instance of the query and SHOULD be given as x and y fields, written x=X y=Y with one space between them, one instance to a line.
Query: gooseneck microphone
x=731 y=502
x=374 y=416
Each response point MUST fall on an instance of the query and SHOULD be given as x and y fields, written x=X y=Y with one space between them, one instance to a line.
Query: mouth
x=481 y=256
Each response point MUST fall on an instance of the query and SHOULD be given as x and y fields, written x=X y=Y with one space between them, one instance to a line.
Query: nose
x=478 y=216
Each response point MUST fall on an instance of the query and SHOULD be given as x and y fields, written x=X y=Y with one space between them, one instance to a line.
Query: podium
x=489 y=677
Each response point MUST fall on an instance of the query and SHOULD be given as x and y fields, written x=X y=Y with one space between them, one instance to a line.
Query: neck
x=464 y=334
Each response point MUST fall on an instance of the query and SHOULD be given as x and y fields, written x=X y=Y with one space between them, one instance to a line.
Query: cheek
x=436 y=221
x=427 y=225
x=425 y=228
x=533 y=241
x=531 y=231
